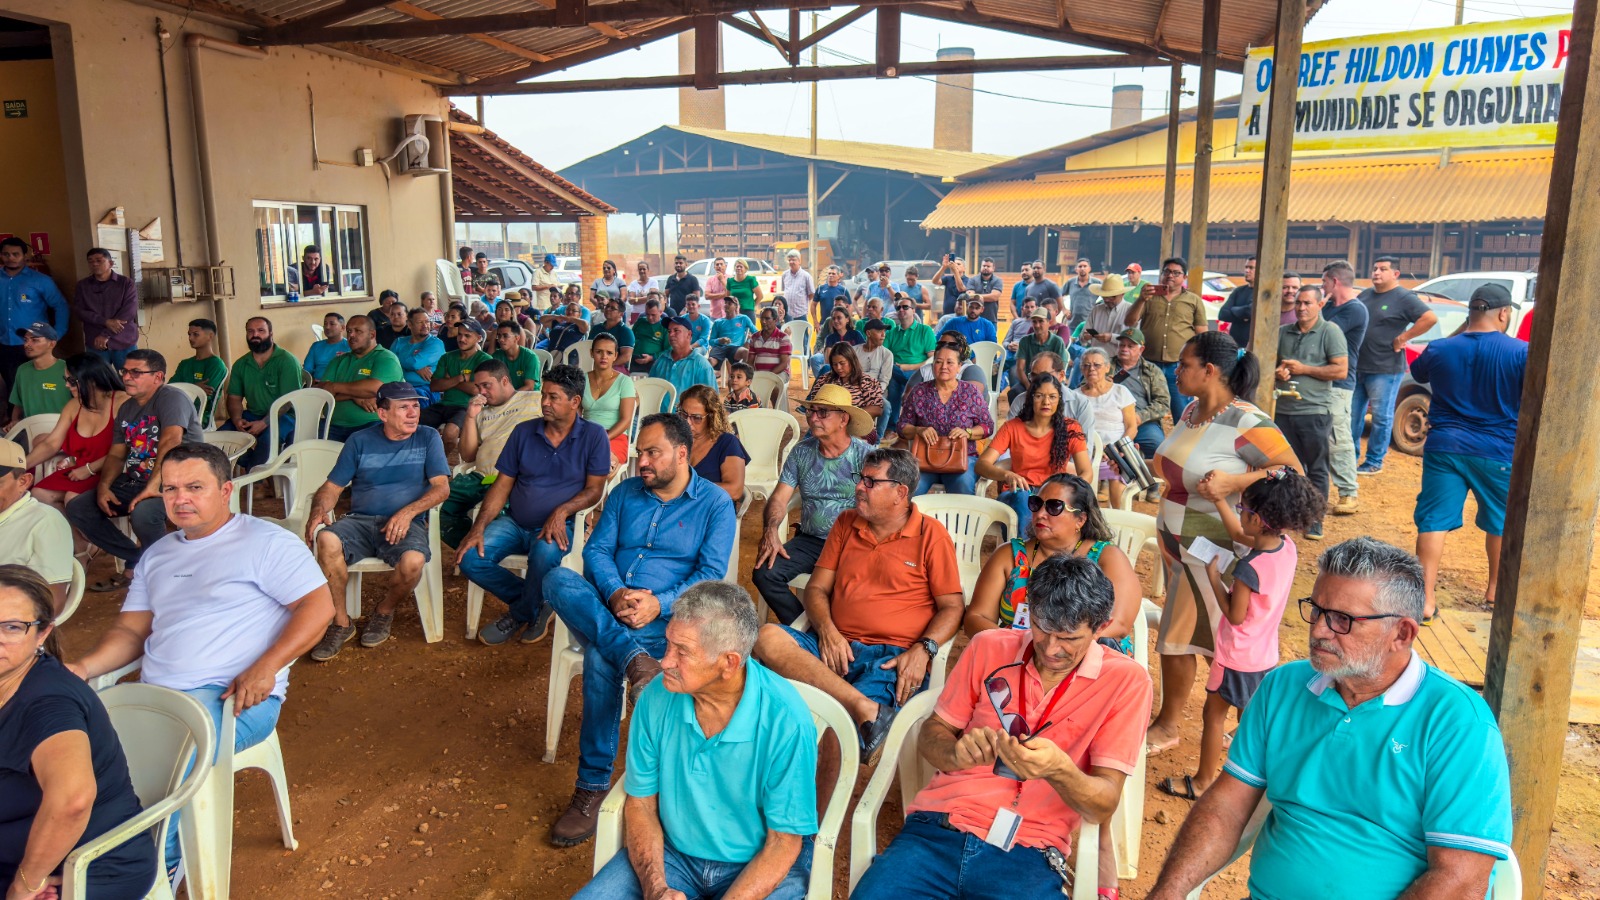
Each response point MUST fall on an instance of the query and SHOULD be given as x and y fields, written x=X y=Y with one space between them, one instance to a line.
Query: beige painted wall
x=259 y=120
x=30 y=154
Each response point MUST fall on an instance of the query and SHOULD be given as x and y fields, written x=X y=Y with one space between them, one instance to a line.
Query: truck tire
x=1411 y=423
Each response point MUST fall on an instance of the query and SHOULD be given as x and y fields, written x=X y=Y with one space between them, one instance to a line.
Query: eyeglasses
x=129 y=373
x=868 y=482
x=1241 y=509
x=1172 y=273
x=1337 y=622
x=72 y=382
x=13 y=631
x=815 y=412
x=692 y=418
x=903 y=308
x=1052 y=506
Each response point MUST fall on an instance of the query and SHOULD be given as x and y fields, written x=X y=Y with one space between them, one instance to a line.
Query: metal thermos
x=1130 y=462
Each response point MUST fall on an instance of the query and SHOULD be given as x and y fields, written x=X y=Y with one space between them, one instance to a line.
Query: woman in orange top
x=1042 y=441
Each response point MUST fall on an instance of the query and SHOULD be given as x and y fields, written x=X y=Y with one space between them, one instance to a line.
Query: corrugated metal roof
x=892 y=157
x=1399 y=188
x=511 y=176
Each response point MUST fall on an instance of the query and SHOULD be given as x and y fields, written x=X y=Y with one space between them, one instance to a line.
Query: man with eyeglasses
x=877 y=285
x=1383 y=772
x=1036 y=730
x=821 y=468
x=911 y=342
x=884 y=595
x=1169 y=314
x=154 y=419
x=32 y=534
x=1312 y=355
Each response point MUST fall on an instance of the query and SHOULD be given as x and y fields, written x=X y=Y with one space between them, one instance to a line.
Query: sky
x=1015 y=113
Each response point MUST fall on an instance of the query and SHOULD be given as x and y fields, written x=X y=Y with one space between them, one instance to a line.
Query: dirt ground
x=416 y=770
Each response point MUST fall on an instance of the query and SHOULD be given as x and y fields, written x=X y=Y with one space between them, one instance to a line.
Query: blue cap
x=550 y=258
x=680 y=321
x=42 y=329
x=398 y=390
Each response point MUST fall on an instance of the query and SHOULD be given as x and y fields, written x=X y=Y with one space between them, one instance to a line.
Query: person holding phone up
x=1169 y=314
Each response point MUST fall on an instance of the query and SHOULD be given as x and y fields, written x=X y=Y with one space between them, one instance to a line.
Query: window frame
x=342 y=230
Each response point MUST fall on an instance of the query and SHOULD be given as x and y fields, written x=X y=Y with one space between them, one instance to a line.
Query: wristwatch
x=930 y=645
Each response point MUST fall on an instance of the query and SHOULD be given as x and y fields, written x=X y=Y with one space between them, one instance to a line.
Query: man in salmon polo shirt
x=1035 y=730
x=884 y=594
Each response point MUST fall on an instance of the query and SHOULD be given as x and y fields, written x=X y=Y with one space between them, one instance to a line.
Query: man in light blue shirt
x=333 y=343
x=419 y=353
x=729 y=333
x=699 y=323
x=1385 y=775
x=26 y=296
x=736 y=808
x=681 y=365
x=659 y=534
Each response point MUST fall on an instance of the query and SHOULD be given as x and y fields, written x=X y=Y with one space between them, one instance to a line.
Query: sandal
x=114 y=583
x=1166 y=786
x=1429 y=620
x=1158 y=749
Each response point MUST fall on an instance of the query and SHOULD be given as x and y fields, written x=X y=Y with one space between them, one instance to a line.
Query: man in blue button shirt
x=660 y=533
x=26 y=296
x=1386 y=776
x=726 y=815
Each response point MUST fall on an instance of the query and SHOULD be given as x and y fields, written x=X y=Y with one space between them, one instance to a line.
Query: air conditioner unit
x=424 y=147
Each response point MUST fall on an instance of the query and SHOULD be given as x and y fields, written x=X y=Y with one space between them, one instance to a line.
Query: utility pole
x=811 y=177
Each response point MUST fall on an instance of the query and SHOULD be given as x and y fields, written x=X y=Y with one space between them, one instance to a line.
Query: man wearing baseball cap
x=396 y=473
x=546 y=287
x=32 y=534
x=452 y=381
x=40 y=385
x=1472 y=424
x=680 y=364
x=1148 y=385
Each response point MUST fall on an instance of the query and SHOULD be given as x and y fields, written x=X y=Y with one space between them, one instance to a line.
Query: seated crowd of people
x=1362 y=749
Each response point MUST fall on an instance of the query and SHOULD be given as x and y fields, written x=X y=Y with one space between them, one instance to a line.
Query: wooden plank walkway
x=1458 y=644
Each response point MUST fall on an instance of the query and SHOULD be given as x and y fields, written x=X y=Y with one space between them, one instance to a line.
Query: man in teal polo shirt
x=259 y=378
x=1386 y=776
x=732 y=813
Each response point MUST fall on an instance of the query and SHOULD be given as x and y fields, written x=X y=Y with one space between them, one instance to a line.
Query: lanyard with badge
x=1007 y=821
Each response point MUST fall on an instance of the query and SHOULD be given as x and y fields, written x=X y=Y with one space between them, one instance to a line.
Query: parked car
x=769 y=274
x=569 y=269
x=1459 y=287
x=514 y=273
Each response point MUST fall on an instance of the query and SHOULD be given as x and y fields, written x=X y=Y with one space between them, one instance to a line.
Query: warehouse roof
x=494 y=181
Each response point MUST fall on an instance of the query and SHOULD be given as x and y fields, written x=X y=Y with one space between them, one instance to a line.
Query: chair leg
x=271 y=751
x=352 y=596
x=430 y=601
x=474 y=609
x=563 y=669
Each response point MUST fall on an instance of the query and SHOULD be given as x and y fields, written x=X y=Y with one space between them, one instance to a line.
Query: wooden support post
x=1555 y=479
x=1272 y=235
x=887 y=62
x=1169 y=196
x=1436 y=253
x=1200 y=207
x=887 y=205
x=707 y=53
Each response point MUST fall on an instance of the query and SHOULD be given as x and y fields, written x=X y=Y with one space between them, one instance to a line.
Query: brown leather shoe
x=1346 y=506
x=642 y=669
x=577 y=824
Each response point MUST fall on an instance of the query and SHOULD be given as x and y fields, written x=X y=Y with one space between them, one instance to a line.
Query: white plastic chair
x=581 y=348
x=429 y=591
x=314 y=459
x=827 y=715
x=160 y=731
x=74 y=593
x=968 y=520
x=1097 y=453
x=654 y=395
x=233 y=443
x=900 y=758
x=733 y=554
x=216 y=847
x=1505 y=881
x=197 y=397
x=799 y=331
x=771 y=390
x=518 y=562
x=312 y=409
x=764 y=434
x=545 y=359
x=985 y=355
x=1134 y=531
x=317 y=330
x=27 y=433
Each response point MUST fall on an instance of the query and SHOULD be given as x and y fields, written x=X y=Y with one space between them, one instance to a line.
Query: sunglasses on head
x=1052 y=506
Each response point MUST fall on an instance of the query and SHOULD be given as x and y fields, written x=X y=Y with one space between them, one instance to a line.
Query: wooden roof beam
x=970 y=15
x=417 y=12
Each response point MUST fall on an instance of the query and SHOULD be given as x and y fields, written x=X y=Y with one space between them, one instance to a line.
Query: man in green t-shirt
x=259 y=378
x=1035 y=342
x=40 y=385
x=205 y=369
x=911 y=342
x=649 y=337
x=452 y=381
x=521 y=364
x=354 y=378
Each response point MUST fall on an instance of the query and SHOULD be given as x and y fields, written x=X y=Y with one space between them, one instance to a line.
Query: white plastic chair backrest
x=74 y=593
x=799 y=331
x=763 y=432
x=233 y=443
x=312 y=409
x=655 y=395
x=1131 y=530
x=159 y=729
x=769 y=389
x=195 y=395
x=317 y=330
x=1097 y=452
x=581 y=349
x=544 y=358
x=984 y=356
x=30 y=429
x=447 y=279
x=968 y=519
x=313 y=460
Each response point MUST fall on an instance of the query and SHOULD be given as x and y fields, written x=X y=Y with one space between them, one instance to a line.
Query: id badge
x=1003 y=833
x=1019 y=619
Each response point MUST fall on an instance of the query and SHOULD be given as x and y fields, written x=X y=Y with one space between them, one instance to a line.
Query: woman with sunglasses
x=1220 y=445
x=946 y=407
x=609 y=285
x=845 y=370
x=717 y=453
x=1066 y=519
x=1042 y=442
x=82 y=436
x=608 y=396
x=1114 y=416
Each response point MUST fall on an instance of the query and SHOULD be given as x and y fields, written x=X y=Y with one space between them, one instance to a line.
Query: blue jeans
x=257 y=455
x=1380 y=391
x=608 y=646
x=115 y=357
x=502 y=538
x=927 y=859
x=866 y=673
x=1179 y=401
x=819 y=365
x=1018 y=501
x=250 y=728
x=695 y=878
x=954 y=482
x=891 y=399
x=1148 y=438
x=1074 y=372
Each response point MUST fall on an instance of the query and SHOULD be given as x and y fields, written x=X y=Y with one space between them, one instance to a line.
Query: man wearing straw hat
x=1109 y=317
x=822 y=469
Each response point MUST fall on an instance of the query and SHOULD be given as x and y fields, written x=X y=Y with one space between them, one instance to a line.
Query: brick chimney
x=1127 y=104
x=952 y=105
x=697 y=109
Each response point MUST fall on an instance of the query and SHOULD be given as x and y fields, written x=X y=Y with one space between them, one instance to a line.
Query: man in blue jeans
x=550 y=470
x=661 y=533
x=1394 y=317
x=238 y=599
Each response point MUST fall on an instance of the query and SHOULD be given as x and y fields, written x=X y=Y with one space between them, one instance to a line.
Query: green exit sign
x=16 y=109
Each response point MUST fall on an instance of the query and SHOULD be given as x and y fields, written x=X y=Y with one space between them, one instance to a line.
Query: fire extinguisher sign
x=40 y=240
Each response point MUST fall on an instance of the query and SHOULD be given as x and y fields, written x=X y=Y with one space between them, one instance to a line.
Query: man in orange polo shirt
x=884 y=595
x=1011 y=790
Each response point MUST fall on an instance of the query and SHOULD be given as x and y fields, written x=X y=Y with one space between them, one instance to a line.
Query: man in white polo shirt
x=32 y=534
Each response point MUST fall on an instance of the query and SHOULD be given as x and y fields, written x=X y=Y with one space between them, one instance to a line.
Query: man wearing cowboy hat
x=1109 y=316
x=822 y=468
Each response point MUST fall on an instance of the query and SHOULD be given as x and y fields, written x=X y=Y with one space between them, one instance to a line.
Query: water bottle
x=294 y=295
